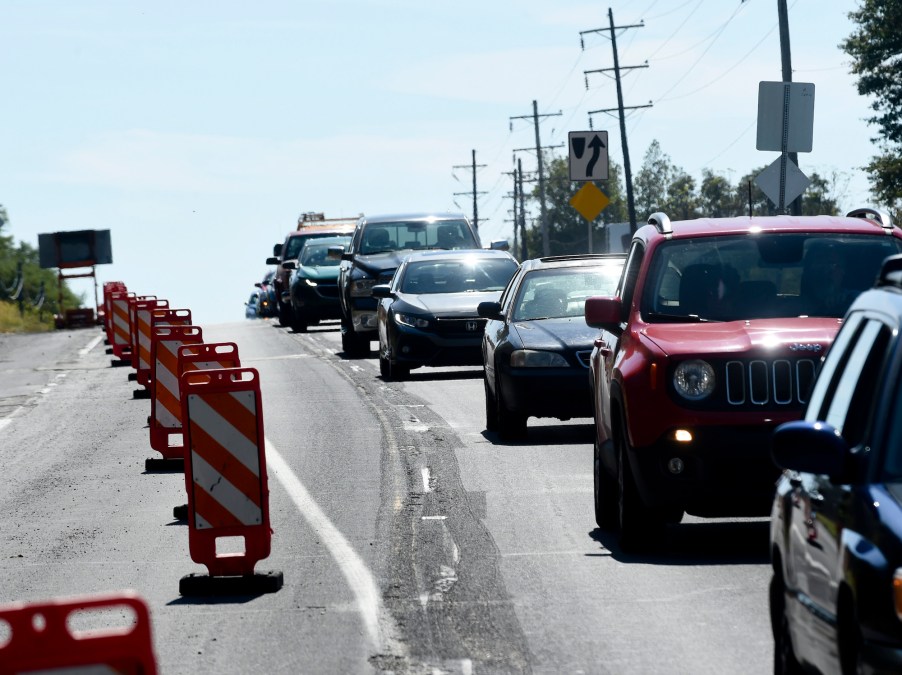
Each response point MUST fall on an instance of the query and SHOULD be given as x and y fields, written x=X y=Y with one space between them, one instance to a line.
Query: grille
x=775 y=383
x=584 y=357
x=462 y=327
x=327 y=290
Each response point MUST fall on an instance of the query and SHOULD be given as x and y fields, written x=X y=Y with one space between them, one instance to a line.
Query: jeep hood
x=556 y=334
x=759 y=335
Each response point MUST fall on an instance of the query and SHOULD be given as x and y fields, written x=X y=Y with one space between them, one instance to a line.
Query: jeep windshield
x=761 y=276
x=416 y=235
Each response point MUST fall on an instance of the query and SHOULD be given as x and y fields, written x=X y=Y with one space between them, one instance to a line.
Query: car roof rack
x=881 y=217
x=661 y=221
x=890 y=272
x=581 y=256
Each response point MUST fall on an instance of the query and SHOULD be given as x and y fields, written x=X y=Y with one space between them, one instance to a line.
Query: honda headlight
x=532 y=358
x=694 y=379
x=361 y=288
x=411 y=320
x=310 y=282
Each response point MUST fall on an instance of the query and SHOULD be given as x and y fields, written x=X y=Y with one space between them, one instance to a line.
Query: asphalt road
x=410 y=539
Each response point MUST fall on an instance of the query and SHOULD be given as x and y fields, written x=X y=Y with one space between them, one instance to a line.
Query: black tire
x=849 y=634
x=607 y=495
x=384 y=370
x=641 y=529
x=511 y=425
x=284 y=314
x=353 y=345
x=491 y=407
x=298 y=322
x=397 y=371
x=785 y=661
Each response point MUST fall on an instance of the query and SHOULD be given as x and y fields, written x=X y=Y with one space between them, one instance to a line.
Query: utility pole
x=786 y=61
x=523 y=252
x=628 y=175
x=546 y=247
x=475 y=193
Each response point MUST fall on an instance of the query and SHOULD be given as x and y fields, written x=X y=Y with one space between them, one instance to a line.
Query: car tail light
x=897 y=592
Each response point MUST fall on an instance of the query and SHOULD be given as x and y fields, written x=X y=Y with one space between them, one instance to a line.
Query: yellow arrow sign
x=589 y=201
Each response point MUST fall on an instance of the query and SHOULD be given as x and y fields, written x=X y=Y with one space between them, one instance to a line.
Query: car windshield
x=457 y=276
x=417 y=234
x=761 y=276
x=316 y=252
x=561 y=292
x=295 y=244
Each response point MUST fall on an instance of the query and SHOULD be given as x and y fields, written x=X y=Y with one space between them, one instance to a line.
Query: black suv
x=378 y=246
x=836 y=523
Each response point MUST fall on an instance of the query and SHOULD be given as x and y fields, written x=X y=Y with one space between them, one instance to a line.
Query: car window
x=457 y=276
x=835 y=356
x=562 y=292
x=775 y=275
x=315 y=252
x=383 y=237
x=853 y=388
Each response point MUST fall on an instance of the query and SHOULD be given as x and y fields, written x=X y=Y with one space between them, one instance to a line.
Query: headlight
x=531 y=358
x=694 y=380
x=362 y=287
x=411 y=320
x=310 y=282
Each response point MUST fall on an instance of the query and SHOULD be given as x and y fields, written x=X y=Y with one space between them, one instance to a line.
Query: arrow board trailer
x=588 y=155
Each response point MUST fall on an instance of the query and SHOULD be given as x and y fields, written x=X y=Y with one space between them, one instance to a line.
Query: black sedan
x=427 y=315
x=536 y=344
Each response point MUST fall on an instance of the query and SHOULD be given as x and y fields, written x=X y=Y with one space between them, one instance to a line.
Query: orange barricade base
x=55 y=646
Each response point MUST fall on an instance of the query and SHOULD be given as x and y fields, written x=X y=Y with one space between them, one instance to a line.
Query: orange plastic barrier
x=166 y=316
x=108 y=288
x=121 y=341
x=141 y=339
x=42 y=638
x=225 y=469
x=133 y=324
x=165 y=398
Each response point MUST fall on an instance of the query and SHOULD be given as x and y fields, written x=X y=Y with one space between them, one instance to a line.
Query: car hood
x=316 y=273
x=781 y=337
x=448 y=304
x=379 y=262
x=556 y=334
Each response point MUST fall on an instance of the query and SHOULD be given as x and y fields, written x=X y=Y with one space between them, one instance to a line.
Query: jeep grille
x=757 y=382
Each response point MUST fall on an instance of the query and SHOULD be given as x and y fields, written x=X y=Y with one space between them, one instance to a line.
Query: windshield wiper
x=677 y=318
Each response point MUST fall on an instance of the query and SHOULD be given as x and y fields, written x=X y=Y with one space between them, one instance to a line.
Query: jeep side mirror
x=604 y=313
x=272 y=261
x=490 y=310
x=382 y=291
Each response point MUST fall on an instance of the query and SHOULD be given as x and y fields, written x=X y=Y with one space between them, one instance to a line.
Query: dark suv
x=378 y=246
x=713 y=338
x=836 y=523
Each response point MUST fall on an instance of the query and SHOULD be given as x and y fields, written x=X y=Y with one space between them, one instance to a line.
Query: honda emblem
x=472 y=325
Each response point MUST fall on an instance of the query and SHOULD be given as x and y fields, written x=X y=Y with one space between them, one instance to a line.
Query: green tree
x=876 y=50
x=717 y=198
x=568 y=231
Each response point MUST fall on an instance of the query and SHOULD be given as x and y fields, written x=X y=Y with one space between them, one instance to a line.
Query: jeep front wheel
x=606 y=494
x=640 y=527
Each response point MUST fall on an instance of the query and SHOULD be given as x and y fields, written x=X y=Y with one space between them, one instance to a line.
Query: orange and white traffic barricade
x=204 y=356
x=141 y=342
x=225 y=469
x=159 y=316
x=133 y=323
x=165 y=398
x=121 y=342
x=108 y=288
x=47 y=636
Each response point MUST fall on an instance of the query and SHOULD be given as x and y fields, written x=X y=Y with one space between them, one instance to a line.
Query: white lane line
x=355 y=571
x=93 y=343
x=426 y=478
x=6 y=421
x=433 y=517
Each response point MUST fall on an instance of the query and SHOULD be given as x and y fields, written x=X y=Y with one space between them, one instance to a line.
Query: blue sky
x=198 y=131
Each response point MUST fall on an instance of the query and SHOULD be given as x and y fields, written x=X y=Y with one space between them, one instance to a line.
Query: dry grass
x=12 y=322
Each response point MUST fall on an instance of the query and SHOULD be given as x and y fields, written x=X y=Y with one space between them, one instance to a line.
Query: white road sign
x=789 y=107
x=769 y=182
x=588 y=155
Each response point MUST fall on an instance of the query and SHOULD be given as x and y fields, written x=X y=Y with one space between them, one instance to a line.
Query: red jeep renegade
x=713 y=338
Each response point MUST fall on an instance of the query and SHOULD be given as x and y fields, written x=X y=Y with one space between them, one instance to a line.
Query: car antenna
x=750 y=198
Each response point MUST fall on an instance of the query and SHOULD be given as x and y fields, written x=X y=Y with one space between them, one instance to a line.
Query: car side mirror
x=500 y=245
x=347 y=256
x=604 y=313
x=810 y=447
x=289 y=265
x=490 y=310
x=335 y=252
x=258 y=285
x=272 y=261
x=382 y=291
x=277 y=250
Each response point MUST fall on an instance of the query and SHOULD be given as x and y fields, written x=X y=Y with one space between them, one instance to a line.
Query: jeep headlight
x=411 y=320
x=361 y=288
x=694 y=379
x=533 y=358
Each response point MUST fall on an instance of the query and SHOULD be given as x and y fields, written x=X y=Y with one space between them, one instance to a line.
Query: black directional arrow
x=596 y=144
